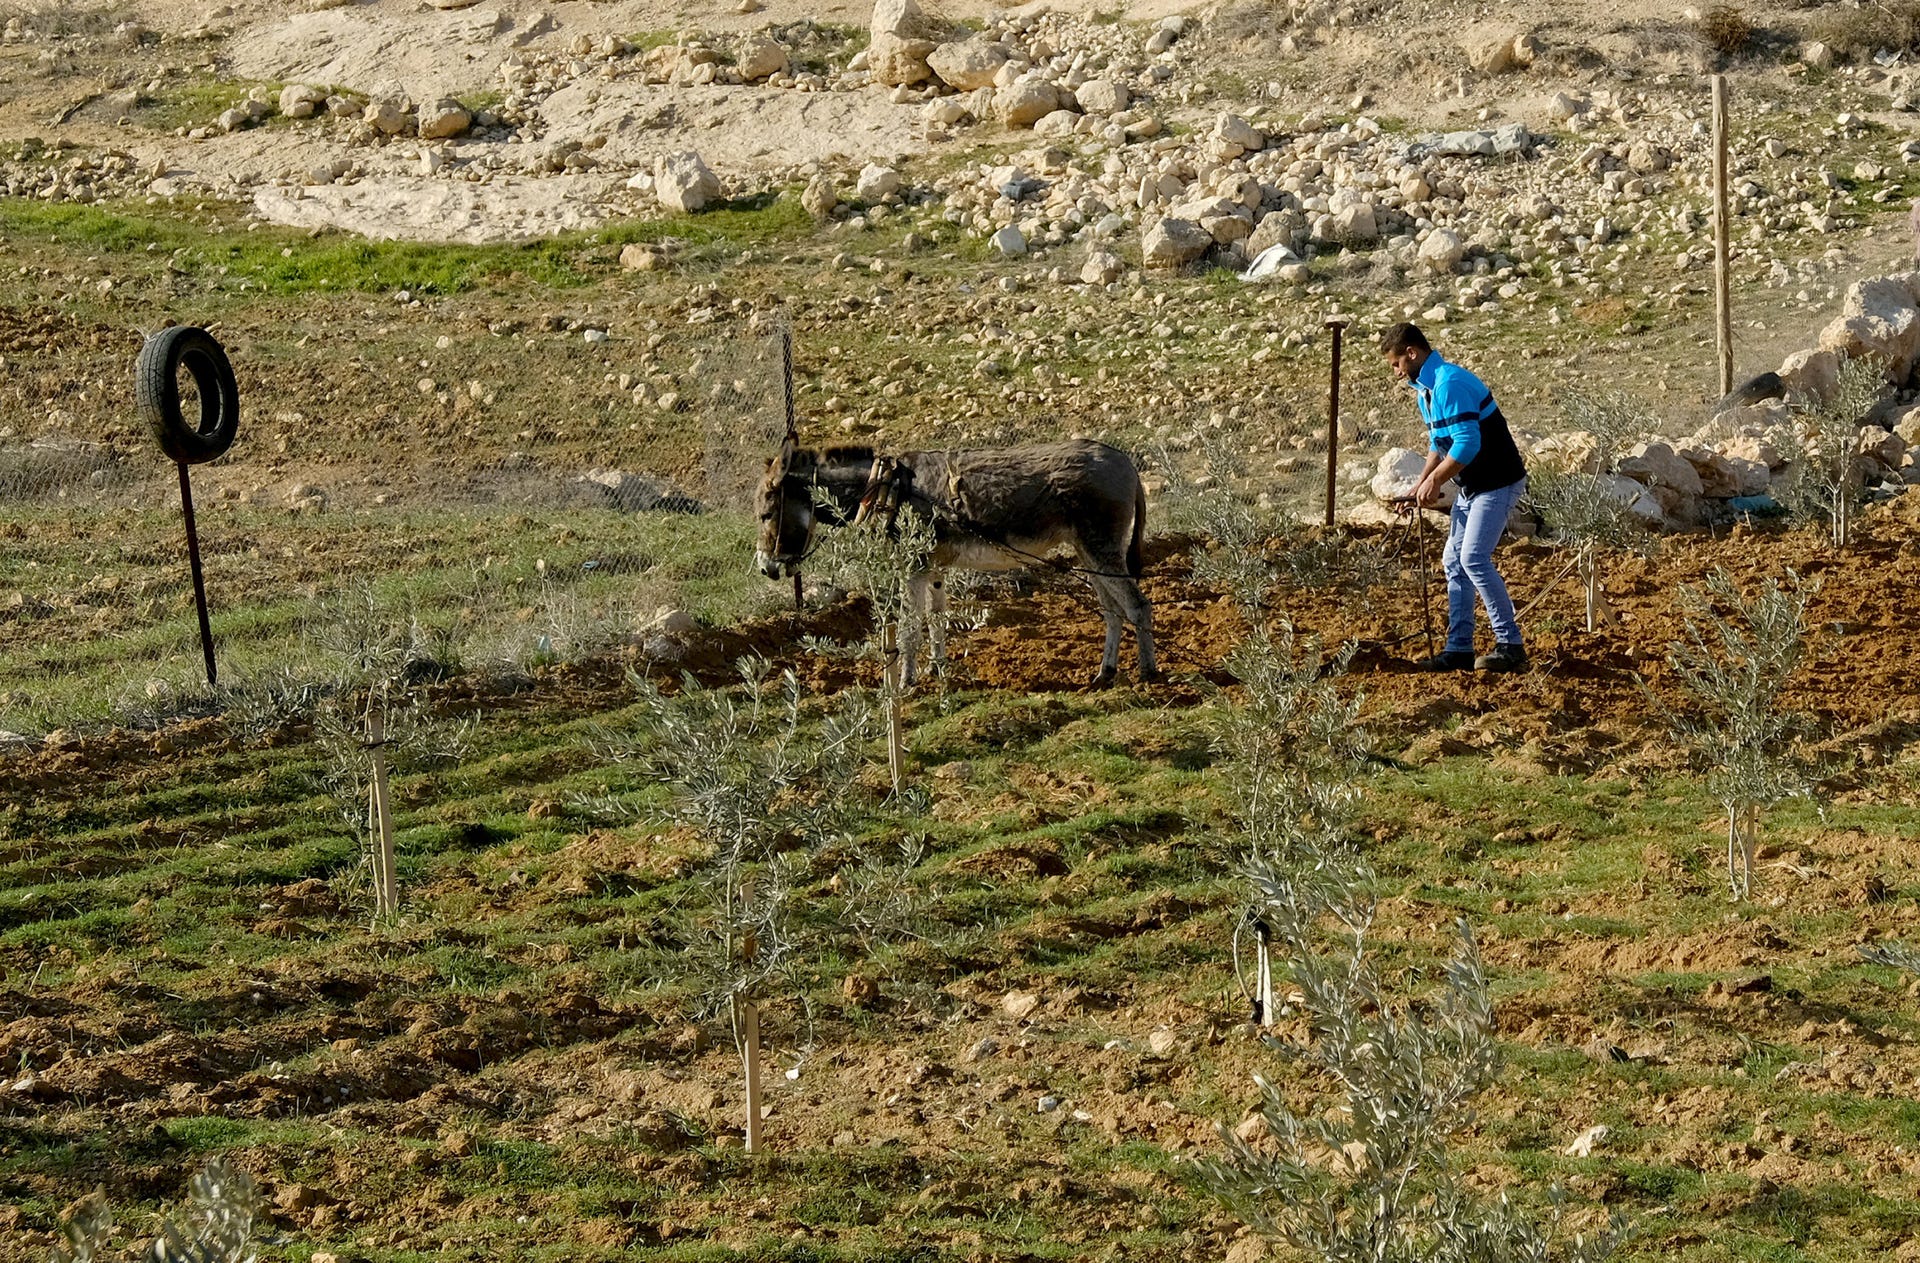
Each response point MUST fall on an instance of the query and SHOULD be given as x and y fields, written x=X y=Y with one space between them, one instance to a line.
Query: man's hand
x=1426 y=493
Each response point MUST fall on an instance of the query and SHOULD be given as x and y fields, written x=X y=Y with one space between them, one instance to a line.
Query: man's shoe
x=1503 y=658
x=1451 y=660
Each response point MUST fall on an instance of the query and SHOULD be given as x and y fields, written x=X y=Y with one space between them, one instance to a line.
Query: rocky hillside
x=1532 y=179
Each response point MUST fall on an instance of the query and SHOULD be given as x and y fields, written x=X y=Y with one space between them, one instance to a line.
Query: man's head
x=1406 y=349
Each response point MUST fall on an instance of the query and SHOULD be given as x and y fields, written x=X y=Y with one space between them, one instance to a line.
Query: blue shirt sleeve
x=1460 y=402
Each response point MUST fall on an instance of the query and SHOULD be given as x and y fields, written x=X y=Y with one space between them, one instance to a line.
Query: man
x=1468 y=439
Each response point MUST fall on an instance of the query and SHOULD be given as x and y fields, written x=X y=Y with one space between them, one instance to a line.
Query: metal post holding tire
x=156 y=392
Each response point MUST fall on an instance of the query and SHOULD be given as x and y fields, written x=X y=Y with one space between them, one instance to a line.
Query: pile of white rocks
x=53 y=173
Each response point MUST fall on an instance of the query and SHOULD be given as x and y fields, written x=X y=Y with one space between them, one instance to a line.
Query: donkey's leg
x=1139 y=612
x=1110 y=614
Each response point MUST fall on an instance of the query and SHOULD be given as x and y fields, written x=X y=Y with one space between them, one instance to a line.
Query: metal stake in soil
x=199 y=579
x=1333 y=415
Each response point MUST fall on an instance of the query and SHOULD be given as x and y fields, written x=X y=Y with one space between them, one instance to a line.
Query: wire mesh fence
x=481 y=534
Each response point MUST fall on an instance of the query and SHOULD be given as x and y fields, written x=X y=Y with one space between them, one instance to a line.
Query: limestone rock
x=1564 y=106
x=1285 y=227
x=901 y=18
x=1883 y=447
x=1906 y=423
x=298 y=100
x=1233 y=130
x=1879 y=319
x=967 y=64
x=1510 y=139
x=893 y=60
x=1718 y=478
x=1442 y=250
x=1057 y=123
x=444 y=119
x=945 y=111
x=1399 y=470
x=1354 y=223
x=1103 y=97
x=1658 y=465
x=1575 y=451
x=1171 y=242
x=761 y=58
x=387 y=115
x=1756 y=450
x=641 y=257
x=819 y=197
x=1025 y=102
x=1102 y=268
x=1009 y=241
x=1810 y=375
x=1490 y=49
x=1750 y=477
x=1644 y=158
x=682 y=181
x=1677 y=507
x=1639 y=501
x=876 y=183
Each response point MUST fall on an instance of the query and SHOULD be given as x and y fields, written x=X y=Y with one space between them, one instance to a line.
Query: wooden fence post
x=1722 y=237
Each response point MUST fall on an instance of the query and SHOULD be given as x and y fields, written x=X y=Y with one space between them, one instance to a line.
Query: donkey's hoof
x=1154 y=676
x=1102 y=678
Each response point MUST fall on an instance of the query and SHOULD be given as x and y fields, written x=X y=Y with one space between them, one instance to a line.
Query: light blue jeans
x=1477 y=523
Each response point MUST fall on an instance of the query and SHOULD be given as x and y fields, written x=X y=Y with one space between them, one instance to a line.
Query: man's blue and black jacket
x=1465 y=423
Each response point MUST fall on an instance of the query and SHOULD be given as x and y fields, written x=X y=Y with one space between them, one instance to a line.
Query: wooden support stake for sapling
x=747 y=1023
x=386 y=885
x=896 y=738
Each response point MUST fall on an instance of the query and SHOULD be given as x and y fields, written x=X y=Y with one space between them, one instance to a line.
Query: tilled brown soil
x=355 y=1036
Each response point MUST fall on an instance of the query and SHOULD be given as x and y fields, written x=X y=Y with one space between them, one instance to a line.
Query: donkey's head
x=784 y=504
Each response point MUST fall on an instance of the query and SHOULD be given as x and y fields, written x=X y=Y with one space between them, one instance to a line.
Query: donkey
x=994 y=509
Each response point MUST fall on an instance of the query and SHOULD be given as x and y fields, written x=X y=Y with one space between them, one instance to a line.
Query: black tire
x=156 y=392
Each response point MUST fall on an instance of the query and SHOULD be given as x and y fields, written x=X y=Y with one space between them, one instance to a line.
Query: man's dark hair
x=1402 y=337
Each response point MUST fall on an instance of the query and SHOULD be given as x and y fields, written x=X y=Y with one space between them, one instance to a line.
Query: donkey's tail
x=1136 y=560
